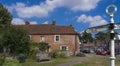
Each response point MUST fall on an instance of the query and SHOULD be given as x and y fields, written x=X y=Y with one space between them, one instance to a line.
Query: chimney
x=27 y=23
x=53 y=22
x=71 y=25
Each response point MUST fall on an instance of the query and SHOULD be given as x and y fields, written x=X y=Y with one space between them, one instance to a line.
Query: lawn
x=90 y=60
x=95 y=61
x=30 y=62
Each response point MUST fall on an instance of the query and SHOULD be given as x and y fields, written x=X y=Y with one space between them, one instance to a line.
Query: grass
x=90 y=60
x=101 y=61
x=30 y=62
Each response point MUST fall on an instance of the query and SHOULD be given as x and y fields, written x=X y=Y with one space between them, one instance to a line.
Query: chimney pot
x=53 y=22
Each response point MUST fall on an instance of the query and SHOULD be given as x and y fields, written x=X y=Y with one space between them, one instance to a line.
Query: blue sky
x=80 y=13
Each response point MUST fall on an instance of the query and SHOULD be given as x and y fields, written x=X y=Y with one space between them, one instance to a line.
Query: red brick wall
x=71 y=41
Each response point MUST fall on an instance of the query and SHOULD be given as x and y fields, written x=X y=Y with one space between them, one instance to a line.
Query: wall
x=71 y=41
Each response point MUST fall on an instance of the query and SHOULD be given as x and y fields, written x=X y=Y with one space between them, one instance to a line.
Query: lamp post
x=112 y=34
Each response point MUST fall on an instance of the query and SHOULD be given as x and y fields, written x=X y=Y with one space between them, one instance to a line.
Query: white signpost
x=97 y=29
x=110 y=27
x=102 y=28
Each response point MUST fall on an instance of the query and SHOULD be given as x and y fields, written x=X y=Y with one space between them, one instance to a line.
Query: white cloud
x=46 y=22
x=92 y=20
x=18 y=21
x=43 y=9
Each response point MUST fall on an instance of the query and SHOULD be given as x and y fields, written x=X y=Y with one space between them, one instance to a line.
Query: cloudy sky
x=80 y=13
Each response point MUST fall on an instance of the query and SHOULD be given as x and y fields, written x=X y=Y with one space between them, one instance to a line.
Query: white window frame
x=55 y=38
x=64 y=46
x=42 y=38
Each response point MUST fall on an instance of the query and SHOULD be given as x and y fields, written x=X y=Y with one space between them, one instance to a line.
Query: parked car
x=105 y=53
x=85 y=51
x=116 y=53
x=101 y=52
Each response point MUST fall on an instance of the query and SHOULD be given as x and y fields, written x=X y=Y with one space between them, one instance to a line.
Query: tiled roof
x=47 y=29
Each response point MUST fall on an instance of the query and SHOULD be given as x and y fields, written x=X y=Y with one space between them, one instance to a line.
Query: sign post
x=110 y=27
x=112 y=34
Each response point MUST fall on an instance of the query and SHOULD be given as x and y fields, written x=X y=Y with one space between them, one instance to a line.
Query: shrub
x=1 y=61
x=54 y=54
x=43 y=46
x=80 y=55
x=62 y=55
x=33 y=50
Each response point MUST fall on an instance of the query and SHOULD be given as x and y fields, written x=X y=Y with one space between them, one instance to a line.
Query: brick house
x=58 y=37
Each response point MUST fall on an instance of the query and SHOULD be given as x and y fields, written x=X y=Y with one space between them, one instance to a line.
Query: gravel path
x=74 y=61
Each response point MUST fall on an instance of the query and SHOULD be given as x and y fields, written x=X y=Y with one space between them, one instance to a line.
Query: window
x=57 y=38
x=63 y=48
x=42 y=38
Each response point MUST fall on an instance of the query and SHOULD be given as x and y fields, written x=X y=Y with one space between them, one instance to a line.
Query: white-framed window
x=42 y=38
x=57 y=38
x=63 y=48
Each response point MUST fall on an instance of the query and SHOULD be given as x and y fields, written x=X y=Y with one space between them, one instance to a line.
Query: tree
x=101 y=36
x=15 y=40
x=86 y=37
x=5 y=16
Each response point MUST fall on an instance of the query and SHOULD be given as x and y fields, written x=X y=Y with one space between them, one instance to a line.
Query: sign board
x=117 y=37
x=117 y=26
x=98 y=28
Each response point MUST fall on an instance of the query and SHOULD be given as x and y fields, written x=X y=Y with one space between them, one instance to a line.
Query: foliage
x=11 y=62
x=31 y=62
x=54 y=53
x=33 y=50
x=62 y=55
x=5 y=16
x=80 y=55
x=43 y=46
x=2 y=60
x=102 y=36
x=86 y=37
x=17 y=40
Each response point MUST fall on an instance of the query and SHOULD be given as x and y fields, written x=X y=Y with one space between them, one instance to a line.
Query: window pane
x=64 y=48
x=42 y=38
x=57 y=38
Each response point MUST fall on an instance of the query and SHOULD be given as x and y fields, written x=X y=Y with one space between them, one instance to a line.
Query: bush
x=62 y=55
x=80 y=55
x=43 y=46
x=54 y=54
x=33 y=50
x=1 y=61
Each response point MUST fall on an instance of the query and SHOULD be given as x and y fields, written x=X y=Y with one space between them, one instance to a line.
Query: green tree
x=5 y=16
x=17 y=40
x=86 y=37
x=101 y=36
